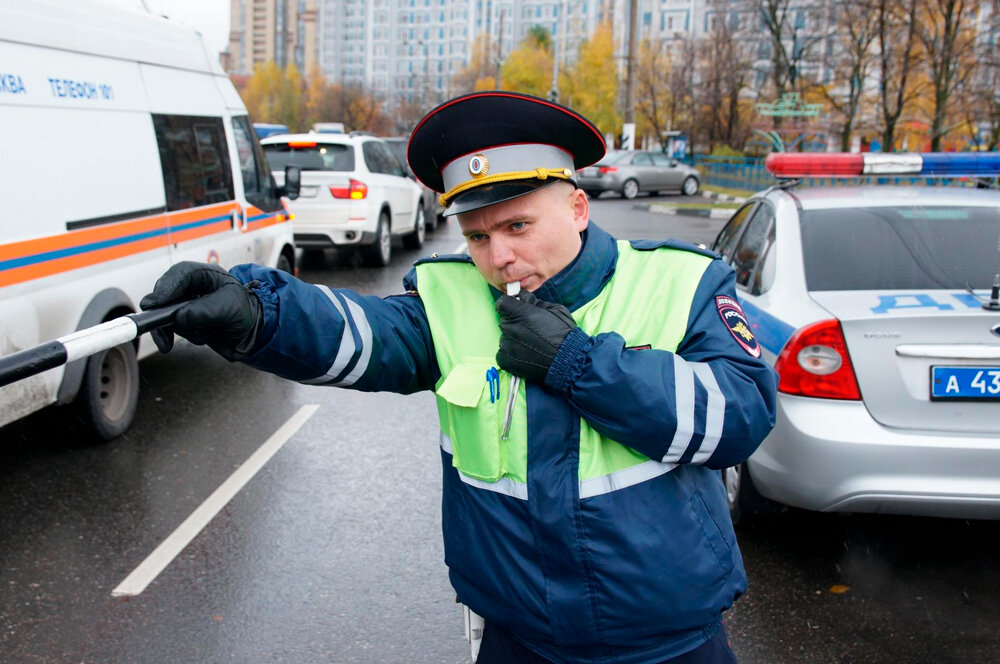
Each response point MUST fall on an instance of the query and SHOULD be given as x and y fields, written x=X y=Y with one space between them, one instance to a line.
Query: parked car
x=354 y=193
x=433 y=211
x=630 y=172
x=265 y=129
x=869 y=303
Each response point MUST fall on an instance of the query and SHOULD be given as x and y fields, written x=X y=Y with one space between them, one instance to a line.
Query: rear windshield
x=613 y=157
x=900 y=248
x=329 y=157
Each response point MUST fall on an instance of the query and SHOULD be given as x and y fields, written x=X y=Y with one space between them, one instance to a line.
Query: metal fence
x=748 y=173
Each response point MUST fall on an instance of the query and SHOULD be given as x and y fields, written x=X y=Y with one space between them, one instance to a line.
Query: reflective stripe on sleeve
x=715 y=412
x=504 y=485
x=684 y=408
x=357 y=333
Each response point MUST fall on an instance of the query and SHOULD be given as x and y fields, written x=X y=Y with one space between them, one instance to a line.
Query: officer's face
x=527 y=239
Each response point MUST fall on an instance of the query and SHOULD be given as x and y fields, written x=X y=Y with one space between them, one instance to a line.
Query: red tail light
x=815 y=363
x=607 y=169
x=355 y=190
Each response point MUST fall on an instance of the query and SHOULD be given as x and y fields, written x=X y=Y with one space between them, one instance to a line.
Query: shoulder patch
x=649 y=245
x=734 y=318
x=444 y=258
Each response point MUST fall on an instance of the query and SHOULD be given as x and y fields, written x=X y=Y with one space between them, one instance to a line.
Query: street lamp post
x=561 y=29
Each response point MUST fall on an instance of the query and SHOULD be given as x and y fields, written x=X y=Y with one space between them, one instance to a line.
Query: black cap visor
x=491 y=194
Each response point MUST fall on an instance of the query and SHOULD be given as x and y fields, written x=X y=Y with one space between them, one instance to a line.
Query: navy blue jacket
x=630 y=576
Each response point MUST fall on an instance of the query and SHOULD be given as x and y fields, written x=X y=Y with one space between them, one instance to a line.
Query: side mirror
x=293 y=182
x=673 y=163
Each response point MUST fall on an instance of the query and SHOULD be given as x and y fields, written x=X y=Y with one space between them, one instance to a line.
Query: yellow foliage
x=485 y=83
x=273 y=95
x=481 y=68
x=591 y=86
x=528 y=69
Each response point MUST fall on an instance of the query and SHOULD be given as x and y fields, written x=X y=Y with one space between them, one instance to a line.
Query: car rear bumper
x=832 y=456
x=600 y=183
x=316 y=229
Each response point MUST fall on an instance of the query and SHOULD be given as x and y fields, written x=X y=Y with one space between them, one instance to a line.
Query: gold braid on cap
x=537 y=174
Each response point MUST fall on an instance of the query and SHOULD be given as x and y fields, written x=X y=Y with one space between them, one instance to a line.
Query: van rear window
x=321 y=157
x=195 y=160
x=900 y=248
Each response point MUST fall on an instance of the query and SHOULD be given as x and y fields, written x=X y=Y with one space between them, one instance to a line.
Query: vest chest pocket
x=471 y=411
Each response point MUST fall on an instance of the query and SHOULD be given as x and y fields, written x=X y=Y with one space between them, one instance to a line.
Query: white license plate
x=308 y=192
x=589 y=172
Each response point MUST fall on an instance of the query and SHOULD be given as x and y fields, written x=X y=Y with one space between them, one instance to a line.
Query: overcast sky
x=209 y=17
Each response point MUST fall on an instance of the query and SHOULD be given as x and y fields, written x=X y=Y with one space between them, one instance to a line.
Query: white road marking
x=171 y=547
x=461 y=249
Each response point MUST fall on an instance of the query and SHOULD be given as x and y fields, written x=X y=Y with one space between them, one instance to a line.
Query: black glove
x=531 y=332
x=225 y=315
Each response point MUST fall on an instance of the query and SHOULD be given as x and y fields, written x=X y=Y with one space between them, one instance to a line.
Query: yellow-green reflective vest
x=647 y=301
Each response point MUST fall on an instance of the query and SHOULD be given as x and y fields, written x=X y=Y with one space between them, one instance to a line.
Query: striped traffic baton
x=83 y=343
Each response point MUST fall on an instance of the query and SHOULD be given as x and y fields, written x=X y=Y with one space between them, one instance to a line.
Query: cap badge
x=479 y=165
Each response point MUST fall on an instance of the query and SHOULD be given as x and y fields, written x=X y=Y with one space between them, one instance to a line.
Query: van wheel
x=415 y=239
x=630 y=189
x=109 y=393
x=284 y=264
x=379 y=253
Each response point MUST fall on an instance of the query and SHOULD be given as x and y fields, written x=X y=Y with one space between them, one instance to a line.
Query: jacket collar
x=582 y=280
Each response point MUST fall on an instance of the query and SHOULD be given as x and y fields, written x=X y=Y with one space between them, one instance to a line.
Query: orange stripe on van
x=55 y=266
x=41 y=257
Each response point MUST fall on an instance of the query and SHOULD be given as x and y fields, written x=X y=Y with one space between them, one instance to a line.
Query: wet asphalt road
x=332 y=552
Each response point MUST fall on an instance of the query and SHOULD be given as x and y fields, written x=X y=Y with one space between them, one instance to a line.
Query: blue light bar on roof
x=859 y=164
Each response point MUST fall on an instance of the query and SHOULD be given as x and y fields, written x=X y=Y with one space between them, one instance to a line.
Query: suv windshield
x=322 y=157
x=900 y=248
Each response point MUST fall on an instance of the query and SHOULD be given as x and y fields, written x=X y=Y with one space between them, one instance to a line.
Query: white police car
x=874 y=305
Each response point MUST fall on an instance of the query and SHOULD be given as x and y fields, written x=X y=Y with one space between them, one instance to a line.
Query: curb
x=717 y=213
x=726 y=198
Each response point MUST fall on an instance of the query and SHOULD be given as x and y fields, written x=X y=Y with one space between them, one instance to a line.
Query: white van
x=123 y=148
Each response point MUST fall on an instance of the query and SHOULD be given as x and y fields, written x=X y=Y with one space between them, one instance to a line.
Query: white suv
x=354 y=193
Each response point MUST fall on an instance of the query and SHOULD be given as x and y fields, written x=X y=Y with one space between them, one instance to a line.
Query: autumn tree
x=275 y=95
x=723 y=71
x=480 y=72
x=312 y=106
x=528 y=68
x=357 y=107
x=261 y=92
x=896 y=25
x=288 y=108
x=979 y=98
x=948 y=37
x=852 y=62
x=592 y=83
x=791 y=43
x=654 y=98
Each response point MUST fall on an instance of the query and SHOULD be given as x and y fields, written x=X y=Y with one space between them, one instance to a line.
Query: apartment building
x=282 y=31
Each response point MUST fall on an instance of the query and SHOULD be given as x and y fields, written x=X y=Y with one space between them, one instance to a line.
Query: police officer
x=584 y=419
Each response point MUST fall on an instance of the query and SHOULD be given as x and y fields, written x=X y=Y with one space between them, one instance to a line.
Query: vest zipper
x=515 y=383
